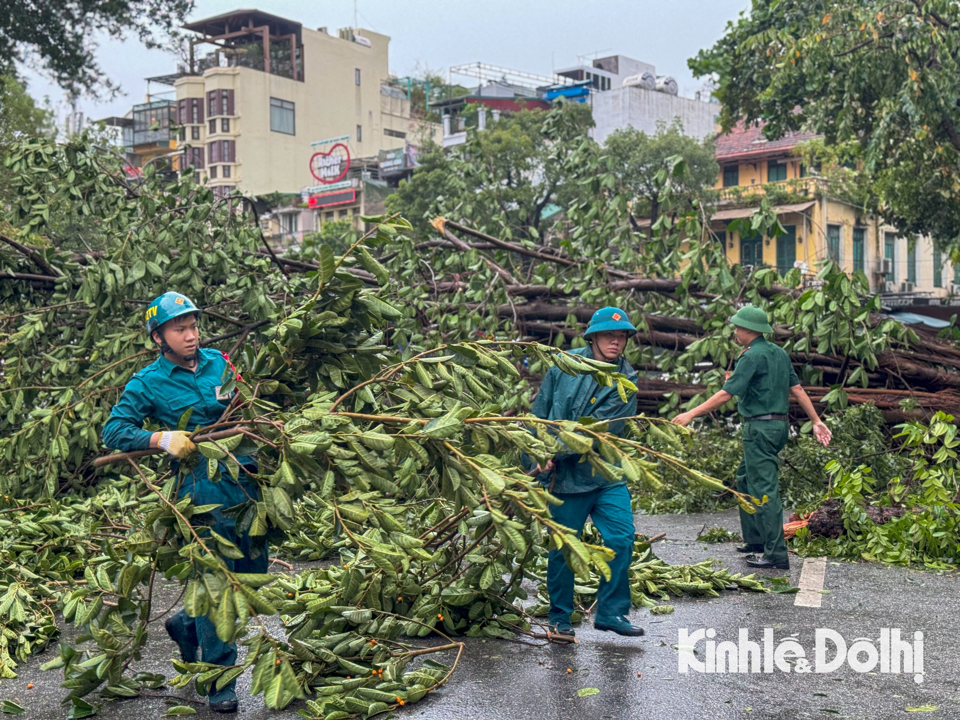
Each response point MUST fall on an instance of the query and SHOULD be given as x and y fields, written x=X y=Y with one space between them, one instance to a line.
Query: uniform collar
x=169 y=367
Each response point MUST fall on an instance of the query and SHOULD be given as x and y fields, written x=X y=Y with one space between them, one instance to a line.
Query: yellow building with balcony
x=819 y=226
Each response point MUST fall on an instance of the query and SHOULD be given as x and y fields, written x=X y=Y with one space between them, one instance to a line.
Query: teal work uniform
x=566 y=397
x=163 y=392
x=761 y=381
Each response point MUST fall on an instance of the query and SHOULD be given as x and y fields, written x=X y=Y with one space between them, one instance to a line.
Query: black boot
x=619 y=625
x=749 y=548
x=224 y=706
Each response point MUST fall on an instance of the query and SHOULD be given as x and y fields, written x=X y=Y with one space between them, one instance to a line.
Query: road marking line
x=811 y=582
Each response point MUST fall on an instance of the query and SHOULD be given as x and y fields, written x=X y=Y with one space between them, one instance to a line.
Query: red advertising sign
x=330 y=166
x=338 y=197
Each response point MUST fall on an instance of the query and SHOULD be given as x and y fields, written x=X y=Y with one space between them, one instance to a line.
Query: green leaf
x=576 y=443
x=587 y=692
x=179 y=710
x=196 y=601
x=326 y=263
x=211 y=451
x=492 y=482
x=283 y=688
x=81 y=709
x=11 y=708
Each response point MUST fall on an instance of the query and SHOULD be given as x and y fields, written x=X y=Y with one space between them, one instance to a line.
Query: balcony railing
x=795 y=189
x=251 y=56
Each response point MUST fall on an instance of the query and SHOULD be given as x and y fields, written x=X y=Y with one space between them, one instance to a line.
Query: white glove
x=177 y=443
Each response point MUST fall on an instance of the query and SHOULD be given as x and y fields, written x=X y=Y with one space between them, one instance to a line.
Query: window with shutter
x=229 y=110
x=213 y=152
x=182 y=112
x=212 y=102
x=833 y=243
x=197 y=111
x=859 y=249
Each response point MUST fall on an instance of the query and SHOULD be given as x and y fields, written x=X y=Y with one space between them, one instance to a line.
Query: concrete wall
x=642 y=109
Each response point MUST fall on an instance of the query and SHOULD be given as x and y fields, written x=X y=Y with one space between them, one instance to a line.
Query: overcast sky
x=531 y=35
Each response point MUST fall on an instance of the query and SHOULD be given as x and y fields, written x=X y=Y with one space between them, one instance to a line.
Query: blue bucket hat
x=608 y=319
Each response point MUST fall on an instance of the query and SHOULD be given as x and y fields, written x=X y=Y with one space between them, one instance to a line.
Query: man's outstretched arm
x=820 y=431
x=720 y=398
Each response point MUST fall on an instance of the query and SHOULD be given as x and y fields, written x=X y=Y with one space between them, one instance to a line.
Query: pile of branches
x=407 y=460
x=844 y=350
x=911 y=517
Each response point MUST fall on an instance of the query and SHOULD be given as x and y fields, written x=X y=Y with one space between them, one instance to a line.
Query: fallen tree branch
x=32 y=254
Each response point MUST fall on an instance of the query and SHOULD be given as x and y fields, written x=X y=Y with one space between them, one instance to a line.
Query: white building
x=628 y=93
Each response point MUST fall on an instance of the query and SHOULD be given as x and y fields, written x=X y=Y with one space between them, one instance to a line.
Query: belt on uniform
x=772 y=416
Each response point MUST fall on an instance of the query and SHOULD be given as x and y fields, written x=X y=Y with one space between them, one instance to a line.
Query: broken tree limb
x=32 y=254
x=104 y=460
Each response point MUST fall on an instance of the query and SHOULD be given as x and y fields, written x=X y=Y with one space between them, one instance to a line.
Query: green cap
x=168 y=306
x=752 y=318
x=608 y=319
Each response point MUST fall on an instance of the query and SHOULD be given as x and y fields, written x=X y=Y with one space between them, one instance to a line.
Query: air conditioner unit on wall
x=884 y=266
x=907 y=287
x=954 y=289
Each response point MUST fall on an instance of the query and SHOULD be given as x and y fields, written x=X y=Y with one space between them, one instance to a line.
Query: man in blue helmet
x=572 y=479
x=186 y=377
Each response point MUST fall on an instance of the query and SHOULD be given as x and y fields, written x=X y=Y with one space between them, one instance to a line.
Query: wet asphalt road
x=501 y=680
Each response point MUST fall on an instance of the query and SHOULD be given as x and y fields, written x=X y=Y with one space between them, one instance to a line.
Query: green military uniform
x=762 y=380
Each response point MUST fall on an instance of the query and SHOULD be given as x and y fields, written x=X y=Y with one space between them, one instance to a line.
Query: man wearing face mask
x=585 y=493
x=187 y=377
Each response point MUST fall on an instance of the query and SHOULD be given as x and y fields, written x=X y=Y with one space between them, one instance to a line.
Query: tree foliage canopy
x=638 y=159
x=404 y=462
x=505 y=178
x=878 y=75
x=383 y=388
x=59 y=37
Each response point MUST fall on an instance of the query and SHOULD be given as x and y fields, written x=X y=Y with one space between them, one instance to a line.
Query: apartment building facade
x=257 y=111
x=819 y=226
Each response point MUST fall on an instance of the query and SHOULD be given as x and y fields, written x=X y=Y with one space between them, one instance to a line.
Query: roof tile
x=749 y=141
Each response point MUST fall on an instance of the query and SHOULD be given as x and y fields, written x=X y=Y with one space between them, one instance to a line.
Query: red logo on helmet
x=616 y=316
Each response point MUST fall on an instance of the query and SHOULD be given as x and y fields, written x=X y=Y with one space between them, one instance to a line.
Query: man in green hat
x=186 y=377
x=764 y=381
x=572 y=479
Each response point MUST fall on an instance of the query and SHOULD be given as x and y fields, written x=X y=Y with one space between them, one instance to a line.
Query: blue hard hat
x=608 y=319
x=168 y=306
